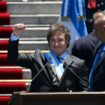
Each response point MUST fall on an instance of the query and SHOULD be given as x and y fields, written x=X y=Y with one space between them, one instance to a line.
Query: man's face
x=100 y=32
x=58 y=43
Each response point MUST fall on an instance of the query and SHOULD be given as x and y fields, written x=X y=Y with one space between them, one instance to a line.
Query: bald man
x=97 y=68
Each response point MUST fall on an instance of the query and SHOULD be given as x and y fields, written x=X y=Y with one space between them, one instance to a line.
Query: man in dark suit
x=97 y=67
x=50 y=73
x=84 y=47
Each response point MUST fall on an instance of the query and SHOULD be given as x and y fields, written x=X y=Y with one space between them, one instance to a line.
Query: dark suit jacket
x=99 y=74
x=84 y=47
x=74 y=78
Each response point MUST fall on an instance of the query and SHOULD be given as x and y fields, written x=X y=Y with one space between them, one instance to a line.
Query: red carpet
x=11 y=73
x=3 y=57
x=4 y=19
x=4 y=100
x=4 y=61
x=3 y=0
x=10 y=87
x=3 y=6
x=3 y=44
x=5 y=32
x=6 y=73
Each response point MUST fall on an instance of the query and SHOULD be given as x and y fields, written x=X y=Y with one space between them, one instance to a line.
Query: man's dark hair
x=58 y=27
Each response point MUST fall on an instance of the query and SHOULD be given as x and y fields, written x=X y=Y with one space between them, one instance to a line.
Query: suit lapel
x=102 y=58
x=42 y=61
x=69 y=60
x=95 y=52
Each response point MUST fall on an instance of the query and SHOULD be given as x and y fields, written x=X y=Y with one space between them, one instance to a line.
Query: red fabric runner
x=5 y=32
x=3 y=57
x=3 y=6
x=11 y=73
x=4 y=100
x=4 y=44
x=7 y=87
x=4 y=60
x=4 y=18
x=10 y=87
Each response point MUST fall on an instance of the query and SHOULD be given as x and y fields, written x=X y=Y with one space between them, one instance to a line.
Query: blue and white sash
x=58 y=66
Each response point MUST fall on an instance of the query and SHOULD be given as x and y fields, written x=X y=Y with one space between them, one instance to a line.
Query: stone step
x=28 y=44
x=5 y=40
x=38 y=32
x=30 y=0
x=33 y=31
x=33 y=39
x=23 y=51
x=48 y=7
x=33 y=45
x=34 y=19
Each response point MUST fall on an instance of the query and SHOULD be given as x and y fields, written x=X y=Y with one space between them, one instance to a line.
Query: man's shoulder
x=82 y=42
x=39 y=55
x=86 y=39
x=75 y=62
x=78 y=63
x=77 y=59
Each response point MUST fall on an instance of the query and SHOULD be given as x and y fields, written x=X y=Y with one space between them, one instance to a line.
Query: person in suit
x=55 y=70
x=97 y=67
x=84 y=47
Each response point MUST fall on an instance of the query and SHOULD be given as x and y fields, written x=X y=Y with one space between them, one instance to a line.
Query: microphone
x=67 y=67
x=37 y=75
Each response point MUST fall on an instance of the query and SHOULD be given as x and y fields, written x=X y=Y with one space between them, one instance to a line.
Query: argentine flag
x=74 y=11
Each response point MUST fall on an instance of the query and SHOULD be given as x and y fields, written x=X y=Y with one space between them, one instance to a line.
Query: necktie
x=91 y=4
x=60 y=59
x=96 y=61
x=56 y=65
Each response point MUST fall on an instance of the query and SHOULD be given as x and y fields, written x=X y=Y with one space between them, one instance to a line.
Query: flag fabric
x=75 y=11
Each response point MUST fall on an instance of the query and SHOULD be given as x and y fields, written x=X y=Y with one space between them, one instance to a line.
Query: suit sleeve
x=14 y=57
x=80 y=72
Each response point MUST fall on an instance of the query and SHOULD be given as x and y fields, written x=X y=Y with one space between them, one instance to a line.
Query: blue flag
x=75 y=11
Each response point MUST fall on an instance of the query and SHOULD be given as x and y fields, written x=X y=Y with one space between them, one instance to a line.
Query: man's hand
x=18 y=29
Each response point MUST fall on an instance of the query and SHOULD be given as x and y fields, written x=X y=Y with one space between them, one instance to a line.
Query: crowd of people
x=63 y=69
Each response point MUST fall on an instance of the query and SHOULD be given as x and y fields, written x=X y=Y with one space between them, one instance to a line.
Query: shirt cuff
x=14 y=37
